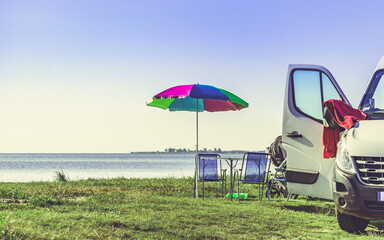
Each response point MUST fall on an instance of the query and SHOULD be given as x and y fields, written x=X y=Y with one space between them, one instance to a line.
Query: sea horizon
x=156 y=151
x=29 y=167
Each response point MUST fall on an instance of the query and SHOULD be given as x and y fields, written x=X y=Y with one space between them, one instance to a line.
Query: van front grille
x=370 y=169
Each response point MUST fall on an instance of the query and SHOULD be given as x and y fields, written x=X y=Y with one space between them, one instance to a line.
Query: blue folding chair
x=210 y=171
x=255 y=171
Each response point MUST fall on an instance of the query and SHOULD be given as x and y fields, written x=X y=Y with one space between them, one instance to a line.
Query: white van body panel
x=305 y=154
x=366 y=139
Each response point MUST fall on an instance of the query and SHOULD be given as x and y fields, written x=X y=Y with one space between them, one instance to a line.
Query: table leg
x=231 y=182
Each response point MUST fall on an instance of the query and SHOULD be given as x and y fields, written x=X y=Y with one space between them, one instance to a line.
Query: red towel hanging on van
x=345 y=116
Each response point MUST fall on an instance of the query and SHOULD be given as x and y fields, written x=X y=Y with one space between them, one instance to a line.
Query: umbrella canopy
x=197 y=97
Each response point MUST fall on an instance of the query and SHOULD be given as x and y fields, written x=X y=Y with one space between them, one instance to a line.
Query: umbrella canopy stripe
x=186 y=104
x=234 y=98
x=160 y=103
x=207 y=92
x=218 y=106
x=175 y=92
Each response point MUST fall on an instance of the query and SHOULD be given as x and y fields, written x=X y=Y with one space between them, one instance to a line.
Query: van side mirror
x=328 y=120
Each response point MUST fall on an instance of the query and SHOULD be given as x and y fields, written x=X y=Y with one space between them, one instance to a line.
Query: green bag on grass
x=235 y=195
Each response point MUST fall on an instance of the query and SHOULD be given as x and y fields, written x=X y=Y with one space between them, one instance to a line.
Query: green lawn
x=159 y=209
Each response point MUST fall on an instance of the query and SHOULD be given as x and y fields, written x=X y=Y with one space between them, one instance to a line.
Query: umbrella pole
x=197 y=126
x=197 y=150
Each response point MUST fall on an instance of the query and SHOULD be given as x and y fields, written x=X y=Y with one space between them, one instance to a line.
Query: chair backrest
x=210 y=166
x=256 y=165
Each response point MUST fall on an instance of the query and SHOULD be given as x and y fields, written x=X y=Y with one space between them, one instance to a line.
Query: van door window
x=329 y=90
x=373 y=99
x=307 y=93
x=378 y=96
x=311 y=88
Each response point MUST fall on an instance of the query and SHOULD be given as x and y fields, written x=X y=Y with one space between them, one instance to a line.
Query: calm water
x=42 y=167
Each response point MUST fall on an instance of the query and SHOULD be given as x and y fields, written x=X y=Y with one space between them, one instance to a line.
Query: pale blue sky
x=75 y=74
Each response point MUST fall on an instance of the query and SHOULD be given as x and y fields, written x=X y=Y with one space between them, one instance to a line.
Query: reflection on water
x=42 y=167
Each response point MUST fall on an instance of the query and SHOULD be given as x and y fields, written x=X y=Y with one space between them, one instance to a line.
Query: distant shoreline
x=193 y=152
x=138 y=152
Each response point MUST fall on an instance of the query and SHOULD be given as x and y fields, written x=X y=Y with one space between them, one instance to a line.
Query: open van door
x=307 y=172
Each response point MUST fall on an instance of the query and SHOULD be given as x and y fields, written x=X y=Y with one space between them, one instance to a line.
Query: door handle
x=294 y=134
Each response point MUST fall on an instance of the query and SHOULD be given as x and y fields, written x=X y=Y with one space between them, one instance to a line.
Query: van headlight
x=343 y=160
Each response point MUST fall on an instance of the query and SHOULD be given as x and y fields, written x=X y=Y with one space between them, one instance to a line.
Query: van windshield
x=373 y=100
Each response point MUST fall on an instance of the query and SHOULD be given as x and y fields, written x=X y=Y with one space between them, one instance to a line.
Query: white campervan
x=355 y=178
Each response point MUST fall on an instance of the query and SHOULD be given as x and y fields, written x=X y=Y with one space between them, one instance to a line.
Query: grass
x=61 y=177
x=159 y=209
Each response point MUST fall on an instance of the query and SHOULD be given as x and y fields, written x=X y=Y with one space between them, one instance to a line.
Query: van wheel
x=350 y=223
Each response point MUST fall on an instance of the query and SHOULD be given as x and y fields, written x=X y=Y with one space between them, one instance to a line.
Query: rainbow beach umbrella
x=197 y=98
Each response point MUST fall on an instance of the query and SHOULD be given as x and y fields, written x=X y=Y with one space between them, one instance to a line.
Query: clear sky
x=75 y=74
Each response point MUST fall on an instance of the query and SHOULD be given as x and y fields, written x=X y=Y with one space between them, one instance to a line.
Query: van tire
x=350 y=223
